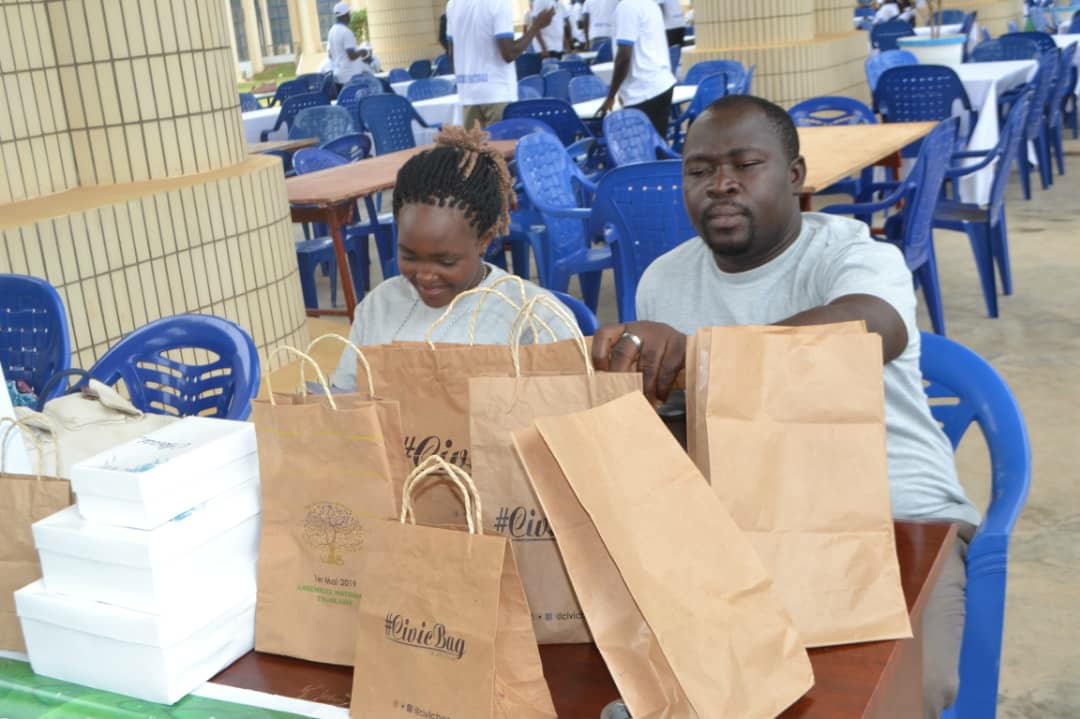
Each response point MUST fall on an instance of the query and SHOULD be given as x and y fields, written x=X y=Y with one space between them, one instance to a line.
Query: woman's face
x=439 y=252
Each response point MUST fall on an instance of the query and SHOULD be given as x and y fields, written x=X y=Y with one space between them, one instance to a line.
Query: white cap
x=342 y=8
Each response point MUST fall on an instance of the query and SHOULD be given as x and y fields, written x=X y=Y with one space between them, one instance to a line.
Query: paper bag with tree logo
x=444 y=628
x=678 y=602
x=431 y=382
x=325 y=469
x=795 y=419
x=499 y=405
x=24 y=499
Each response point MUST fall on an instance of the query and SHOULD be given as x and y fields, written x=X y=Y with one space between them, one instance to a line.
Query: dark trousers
x=675 y=36
x=658 y=110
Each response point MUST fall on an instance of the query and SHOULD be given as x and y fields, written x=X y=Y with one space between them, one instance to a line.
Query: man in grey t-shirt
x=759 y=260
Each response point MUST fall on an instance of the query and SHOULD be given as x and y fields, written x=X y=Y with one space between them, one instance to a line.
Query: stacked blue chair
x=709 y=88
x=1006 y=47
x=836 y=110
x=291 y=107
x=443 y=66
x=561 y=194
x=549 y=64
x=311 y=82
x=34 y=341
x=576 y=68
x=603 y=52
x=985 y=226
x=1064 y=90
x=557 y=85
x=527 y=64
x=884 y=35
x=324 y=123
x=918 y=93
x=586 y=320
x=352 y=147
x=879 y=63
x=911 y=229
x=329 y=85
x=1035 y=130
x=534 y=83
x=221 y=386
x=1043 y=40
x=355 y=91
x=639 y=211
x=389 y=119
x=286 y=90
x=420 y=69
x=428 y=88
x=248 y=102
x=529 y=92
x=631 y=137
x=587 y=87
x=561 y=117
x=965 y=389
x=399 y=74
x=948 y=17
x=734 y=70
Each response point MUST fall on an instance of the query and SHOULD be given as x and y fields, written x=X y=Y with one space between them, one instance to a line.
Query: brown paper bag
x=325 y=469
x=497 y=406
x=707 y=601
x=796 y=441
x=24 y=499
x=444 y=628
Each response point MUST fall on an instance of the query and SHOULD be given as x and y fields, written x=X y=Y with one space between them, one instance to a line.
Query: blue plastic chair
x=1043 y=40
x=963 y=388
x=311 y=82
x=865 y=12
x=732 y=68
x=34 y=341
x=527 y=64
x=1063 y=92
x=675 y=58
x=709 y=88
x=352 y=93
x=1074 y=24
x=558 y=191
x=352 y=147
x=363 y=79
x=557 y=85
x=837 y=110
x=515 y=128
x=576 y=68
x=879 y=63
x=534 y=83
x=1036 y=130
x=399 y=74
x=428 y=88
x=586 y=319
x=221 y=386
x=639 y=211
x=883 y=36
x=911 y=229
x=587 y=87
x=985 y=226
x=918 y=93
x=444 y=65
x=549 y=65
x=324 y=123
x=603 y=52
x=744 y=86
x=1012 y=27
x=286 y=90
x=948 y=17
x=631 y=137
x=248 y=103
x=420 y=69
x=389 y=119
x=560 y=116
x=528 y=92
x=1005 y=47
x=291 y=107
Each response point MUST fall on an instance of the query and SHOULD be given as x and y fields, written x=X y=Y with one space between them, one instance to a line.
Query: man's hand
x=660 y=359
x=544 y=18
x=605 y=108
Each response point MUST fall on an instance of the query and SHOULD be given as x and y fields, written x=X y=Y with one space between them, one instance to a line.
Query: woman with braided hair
x=450 y=203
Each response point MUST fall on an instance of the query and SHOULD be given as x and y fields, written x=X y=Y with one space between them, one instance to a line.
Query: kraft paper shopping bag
x=703 y=594
x=795 y=419
x=444 y=629
x=325 y=469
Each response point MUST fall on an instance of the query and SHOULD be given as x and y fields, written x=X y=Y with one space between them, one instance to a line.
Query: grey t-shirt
x=832 y=257
x=394 y=311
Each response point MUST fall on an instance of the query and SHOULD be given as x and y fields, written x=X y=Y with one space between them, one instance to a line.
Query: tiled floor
x=1035 y=345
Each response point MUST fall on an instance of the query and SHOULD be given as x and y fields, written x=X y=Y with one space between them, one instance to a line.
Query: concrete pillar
x=294 y=25
x=310 y=41
x=268 y=35
x=251 y=31
x=230 y=27
x=403 y=30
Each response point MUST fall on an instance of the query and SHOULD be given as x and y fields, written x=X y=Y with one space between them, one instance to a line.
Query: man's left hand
x=605 y=108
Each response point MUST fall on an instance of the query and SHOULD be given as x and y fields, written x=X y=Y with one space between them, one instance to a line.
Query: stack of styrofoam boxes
x=148 y=584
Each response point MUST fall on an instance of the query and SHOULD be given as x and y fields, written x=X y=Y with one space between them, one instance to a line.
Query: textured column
x=251 y=31
x=267 y=31
x=403 y=31
x=229 y=25
x=294 y=25
x=310 y=42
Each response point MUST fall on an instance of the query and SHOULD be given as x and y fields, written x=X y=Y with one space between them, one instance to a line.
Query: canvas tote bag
x=325 y=469
x=24 y=499
x=444 y=628
x=681 y=607
x=795 y=424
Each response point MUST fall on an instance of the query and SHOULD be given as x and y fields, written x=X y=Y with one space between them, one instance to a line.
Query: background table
x=255 y=121
x=587 y=109
x=286 y=145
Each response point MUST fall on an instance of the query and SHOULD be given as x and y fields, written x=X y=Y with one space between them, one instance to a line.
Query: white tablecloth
x=446 y=110
x=973 y=36
x=256 y=121
x=587 y=109
x=984 y=82
x=402 y=88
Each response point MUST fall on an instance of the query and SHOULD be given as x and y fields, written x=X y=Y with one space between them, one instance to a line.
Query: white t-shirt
x=339 y=40
x=394 y=311
x=474 y=26
x=888 y=11
x=577 y=29
x=553 y=33
x=601 y=17
x=639 y=24
x=673 y=14
x=832 y=257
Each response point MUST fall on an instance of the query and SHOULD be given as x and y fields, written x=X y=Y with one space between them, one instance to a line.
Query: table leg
x=339 y=217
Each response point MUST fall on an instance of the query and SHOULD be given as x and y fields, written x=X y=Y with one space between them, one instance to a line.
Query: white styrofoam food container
x=150 y=657
x=212 y=547
x=149 y=480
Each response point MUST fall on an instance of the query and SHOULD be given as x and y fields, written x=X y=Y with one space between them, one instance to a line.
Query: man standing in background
x=480 y=34
x=599 y=20
x=346 y=59
x=554 y=39
x=674 y=22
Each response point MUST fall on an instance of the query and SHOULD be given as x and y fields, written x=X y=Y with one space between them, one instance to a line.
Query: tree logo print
x=333 y=527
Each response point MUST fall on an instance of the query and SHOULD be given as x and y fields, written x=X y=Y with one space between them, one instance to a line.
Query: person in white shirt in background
x=642 y=77
x=674 y=21
x=577 y=24
x=480 y=34
x=371 y=61
x=345 y=56
x=599 y=21
x=554 y=39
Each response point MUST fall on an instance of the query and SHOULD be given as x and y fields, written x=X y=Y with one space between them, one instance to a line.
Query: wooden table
x=873 y=680
x=286 y=145
x=328 y=196
x=834 y=152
